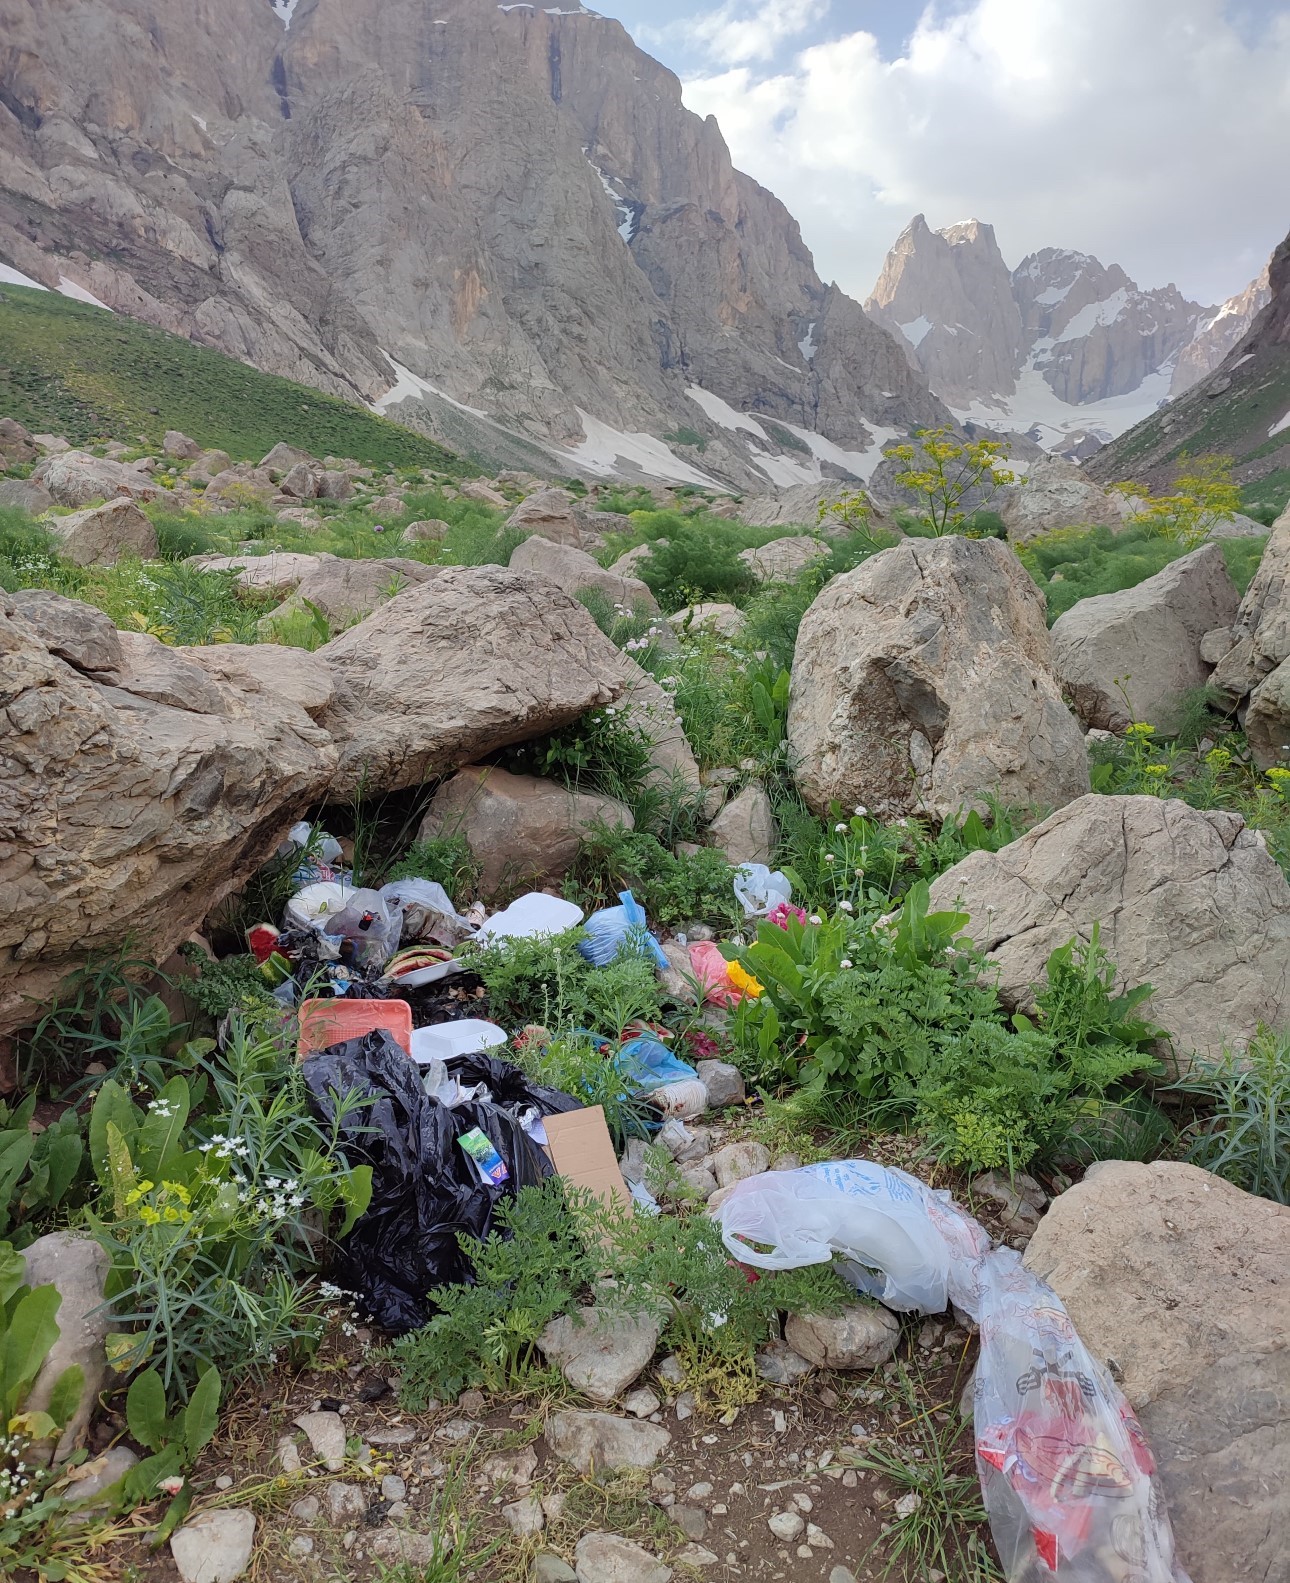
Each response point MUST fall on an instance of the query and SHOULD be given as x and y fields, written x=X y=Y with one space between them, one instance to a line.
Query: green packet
x=489 y=1164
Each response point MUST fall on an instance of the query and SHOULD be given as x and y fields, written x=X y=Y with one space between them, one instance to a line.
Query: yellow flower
x=1279 y=777
x=742 y=979
x=1218 y=759
x=1140 y=731
x=1155 y=769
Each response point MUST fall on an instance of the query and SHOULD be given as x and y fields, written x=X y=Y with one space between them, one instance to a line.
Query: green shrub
x=534 y=980
x=697 y=887
x=694 y=566
x=1243 y=1133
x=602 y=751
x=446 y=859
x=42 y=1174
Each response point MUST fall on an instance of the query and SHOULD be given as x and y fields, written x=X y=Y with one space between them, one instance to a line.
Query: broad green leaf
x=201 y=1416
x=13 y=1272
x=33 y=1330
x=161 y=1136
x=65 y=1398
x=112 y=1104
x=121 y=1177
x=145 y=1410
x=356 y=1190
x=64 y=1156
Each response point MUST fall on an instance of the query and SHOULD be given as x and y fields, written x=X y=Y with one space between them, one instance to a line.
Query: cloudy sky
x=1153 y=133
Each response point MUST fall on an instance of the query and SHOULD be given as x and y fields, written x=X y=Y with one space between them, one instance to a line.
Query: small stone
x=724 y=1083
x=306 y=1509
x=805 y=1552
x=344 y=1502
x=861 y=1336
x=92 y=1478
x=684 y=1406
x=603 y=1443
x=818 y=1538
x=641 y=1403
x=326 y=1434
x=609 y=1558
x=803 y=1502
x=215 y=1547
x=511 y=1467
x=700 y=1180
x=691 y=1520
x=671 y=1371
x=778 y=1363
x=288 y=1455
x=842 y=1575
x=693 y=1555
x=548 y=1568
x=525 y=1516
x=907 y=1505
x=849 y=1480
x=398 y=1511
x=471 y=1402
x=787 y=1525
x=738 y=1161
x=402 y=1436
x=599 y=1352
x=700 y=1491
x=553 y=1504
x=223 y=1482
x=300 y=1547
x=393 y=1488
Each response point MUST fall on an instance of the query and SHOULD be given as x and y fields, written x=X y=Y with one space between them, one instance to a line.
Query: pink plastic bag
x=713 y=973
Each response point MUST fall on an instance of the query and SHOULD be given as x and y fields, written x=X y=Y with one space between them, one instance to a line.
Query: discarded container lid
x=444 y=1040
x=534 y=914
x=309 y=907
x=327 y=1022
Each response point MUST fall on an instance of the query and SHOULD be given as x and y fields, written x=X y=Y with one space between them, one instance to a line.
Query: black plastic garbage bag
x=425 y=1190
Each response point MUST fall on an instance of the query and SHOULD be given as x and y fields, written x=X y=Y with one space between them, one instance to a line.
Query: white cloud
x=1152 y=134
x=734 y=33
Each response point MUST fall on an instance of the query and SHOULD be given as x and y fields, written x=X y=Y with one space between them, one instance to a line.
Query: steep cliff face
x=1063 y=347
x=1240 y=409
x=1216 y=336
x=498 y=221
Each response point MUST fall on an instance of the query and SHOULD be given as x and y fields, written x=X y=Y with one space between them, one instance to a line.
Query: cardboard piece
x=580 y=1148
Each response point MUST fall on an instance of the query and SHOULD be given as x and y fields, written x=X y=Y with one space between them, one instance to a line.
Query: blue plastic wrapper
x=612 y=930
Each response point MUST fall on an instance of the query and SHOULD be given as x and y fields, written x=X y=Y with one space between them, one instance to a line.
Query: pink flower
x=783 y=913
x=172 y=1485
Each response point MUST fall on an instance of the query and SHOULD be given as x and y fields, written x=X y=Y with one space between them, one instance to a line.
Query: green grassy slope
x=68 y=368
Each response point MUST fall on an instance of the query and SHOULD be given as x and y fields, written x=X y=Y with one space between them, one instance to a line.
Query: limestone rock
x=780 y=1365
x=1267 y=719
x=215 y=1546
x=425 y=531
x=921 y=681
x=325 y=1432
x=576 y=572
x=745 y=828
x=521 y=829
x=104 y=534
x=177 y=444
x=16 y=443
x=154 y=670
x=548 y=1568
x=599 y=1352
x=209 y=465
x=333 y=486
x=405 y=1548
x=278 y=572
x=344 y=1503
x=1188 y=900
x=478 y=489
x=458 y=667
x=26 y=496
x=300 y=481
x=727 y=620
x=862 y=1336
x=282 y=458
x=724 y=1083
x=270 y=669
x=125 y=816
x=601 y=1443
x=629 y=562
x=347 y=590
x=94 y=1478
x=1179 y=1278
x=736 y=1161
x=652 y=713
x=549 y=514
x=240 y=486
x=782 y=559
x=76 y=479
x=1058 y=494
x=524 y=1517
x=387 y=506
x=609 y=1558
x=78 y=1269
x=1134 y=654
x=77 y=633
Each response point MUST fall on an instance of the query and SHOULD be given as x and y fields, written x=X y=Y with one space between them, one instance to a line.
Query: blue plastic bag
x=648 y=1064
x=611 y=930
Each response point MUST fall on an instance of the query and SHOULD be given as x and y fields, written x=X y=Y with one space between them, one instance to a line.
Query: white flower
x=815 y=918
x=839 y=829
x=172 y=1485
x=845 y=906
x=845 y=962
x=861 y=810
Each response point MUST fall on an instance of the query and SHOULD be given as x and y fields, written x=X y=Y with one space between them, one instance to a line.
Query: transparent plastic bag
x=609 y=931
x=369 y=923
x=1066 y=1471
x=428 y=912
x=877 y=1218
x=760 y=890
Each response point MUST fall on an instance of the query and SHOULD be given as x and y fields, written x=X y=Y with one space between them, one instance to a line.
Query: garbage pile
x=1066 y=1471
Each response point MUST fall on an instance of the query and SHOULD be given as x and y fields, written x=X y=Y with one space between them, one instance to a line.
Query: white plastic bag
x=877 y=1219
x=428 y=912
x=760 y=890
x=531 y=916
x=369 y=922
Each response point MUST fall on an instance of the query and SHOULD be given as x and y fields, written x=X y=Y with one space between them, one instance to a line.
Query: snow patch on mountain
x=409 y=386
x=1280 y=426
x=916 y=329
x=806 y=346
x=15 y=277
x=629 y=213
x=1093 y=314
x=69 y=288
x=284 y=10
x=1035 y=409
x=609 y=452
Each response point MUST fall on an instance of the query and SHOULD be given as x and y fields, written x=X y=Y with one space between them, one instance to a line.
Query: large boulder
x=1189 y=901
x=177 y=444
x=283 y=457
x=455 y=668
x=124 y=817
x=332 y=485
x=240 y=486
x=78 y=1269
x=548 y=513
x=17 y=444
x=725 y=620
x=745 y=828
x=1257 y=645
x=479 y=490
x=1178 y=1279
x=345 y=591
x=782 y=559
x=576 y=572
x=103 y=534
x=300 y=481
x=523 y=831
x=83 y=636
x=278 y=572
x=922 y=683
x=1135 y=654
x=76 y=479
x=651 y=711
x=25 y=496
x=209 y=465
x=1058 y=494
